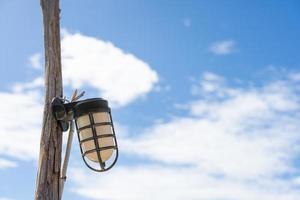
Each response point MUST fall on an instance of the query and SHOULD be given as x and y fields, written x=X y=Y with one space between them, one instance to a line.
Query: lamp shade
x=96 y=133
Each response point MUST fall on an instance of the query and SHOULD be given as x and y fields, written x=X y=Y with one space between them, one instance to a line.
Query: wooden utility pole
x=48 y=175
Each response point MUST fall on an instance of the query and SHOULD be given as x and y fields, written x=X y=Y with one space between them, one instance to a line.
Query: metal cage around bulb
x=96 y=133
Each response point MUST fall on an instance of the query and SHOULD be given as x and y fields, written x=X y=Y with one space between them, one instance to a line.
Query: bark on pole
x=48 y=175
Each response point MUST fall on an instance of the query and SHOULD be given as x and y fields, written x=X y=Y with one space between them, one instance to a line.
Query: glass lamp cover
x=99 y=117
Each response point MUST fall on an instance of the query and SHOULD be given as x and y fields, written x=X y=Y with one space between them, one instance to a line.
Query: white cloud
x=34 y=84
x=297 y=180
x=4 y=163
x=35 y=61
x=21 y=118
x=150 y=182
x=295 y=76
x=257 y=124
x=5 y=198
x=119 y=76
x=224 y=47
x=209 y=83
x=241 y=145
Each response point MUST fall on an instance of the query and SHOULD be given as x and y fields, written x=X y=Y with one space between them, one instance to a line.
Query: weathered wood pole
x=48 y=175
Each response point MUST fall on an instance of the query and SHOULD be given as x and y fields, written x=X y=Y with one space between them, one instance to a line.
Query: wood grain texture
x=47 y=183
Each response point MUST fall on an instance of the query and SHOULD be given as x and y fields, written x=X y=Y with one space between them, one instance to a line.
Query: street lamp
x=96 y=133
x=95 y=130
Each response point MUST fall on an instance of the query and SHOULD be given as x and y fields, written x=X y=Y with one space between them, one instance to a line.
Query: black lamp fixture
x=95 y=130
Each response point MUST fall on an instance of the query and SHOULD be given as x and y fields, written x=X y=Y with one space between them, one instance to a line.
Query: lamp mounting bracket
x=63 y=112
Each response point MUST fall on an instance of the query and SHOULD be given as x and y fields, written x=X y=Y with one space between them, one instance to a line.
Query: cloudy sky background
x=205 y=97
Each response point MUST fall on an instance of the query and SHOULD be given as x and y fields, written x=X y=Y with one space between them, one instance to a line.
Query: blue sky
x=219 y=79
